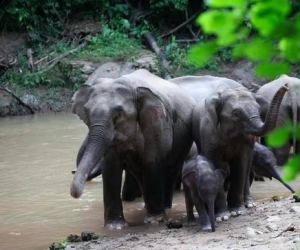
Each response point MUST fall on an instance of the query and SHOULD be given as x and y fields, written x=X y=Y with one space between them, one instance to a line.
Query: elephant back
x=199 y=87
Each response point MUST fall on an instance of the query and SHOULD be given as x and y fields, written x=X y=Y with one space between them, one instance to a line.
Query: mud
x=270 y=225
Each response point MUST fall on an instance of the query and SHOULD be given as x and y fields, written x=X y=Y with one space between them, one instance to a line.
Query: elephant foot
x=155 y=219
x=249 y=203
x=237 y=210
x=191 y=221
x=221 y=216
x=206 y=227
x=118 y=224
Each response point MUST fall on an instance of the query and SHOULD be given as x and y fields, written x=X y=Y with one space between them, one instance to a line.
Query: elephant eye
x=117 y=113
x=235 y=113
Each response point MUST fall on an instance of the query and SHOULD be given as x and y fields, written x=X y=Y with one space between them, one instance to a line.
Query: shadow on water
x=37 y=156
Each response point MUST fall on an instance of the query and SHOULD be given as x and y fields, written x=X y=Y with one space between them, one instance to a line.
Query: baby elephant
x=264 y=164
x=201 y=183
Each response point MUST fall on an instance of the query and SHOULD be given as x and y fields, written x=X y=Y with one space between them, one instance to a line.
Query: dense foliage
x=266 y=32
x=48 y=18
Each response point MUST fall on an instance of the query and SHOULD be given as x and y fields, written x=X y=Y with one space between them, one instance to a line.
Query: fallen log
x=61 y=56
x=160 y=54
x=18 y=99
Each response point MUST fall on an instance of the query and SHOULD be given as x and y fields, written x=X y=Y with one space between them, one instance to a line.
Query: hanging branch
x=160 y=54
x=18 y=99
x=181 y=25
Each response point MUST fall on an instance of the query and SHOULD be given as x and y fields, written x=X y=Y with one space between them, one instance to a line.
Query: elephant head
x=114 y=110
x=265 y=164
x=238 y=111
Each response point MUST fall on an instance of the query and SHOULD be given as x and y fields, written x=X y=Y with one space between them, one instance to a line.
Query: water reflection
x=37 y=154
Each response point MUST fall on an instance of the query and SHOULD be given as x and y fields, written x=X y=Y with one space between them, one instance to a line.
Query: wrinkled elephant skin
x=137 y=120
x=226 y=118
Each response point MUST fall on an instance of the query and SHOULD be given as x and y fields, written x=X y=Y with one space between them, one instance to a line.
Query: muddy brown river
x=37 y=156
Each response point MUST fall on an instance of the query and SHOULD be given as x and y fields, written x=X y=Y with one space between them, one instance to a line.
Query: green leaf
x=271 y=70
x=226 y=3
x=259 y=49
x=279 y=136
x=290 y=48
x=291 y=169
x=214 y=21
x=267 y=15
x=199 y=54
x=239 y=50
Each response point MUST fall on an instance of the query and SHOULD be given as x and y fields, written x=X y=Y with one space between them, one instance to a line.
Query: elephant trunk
x=81 y=150
x=256 y=126
x=98 y=143
x=211 y=213
x=276 y=175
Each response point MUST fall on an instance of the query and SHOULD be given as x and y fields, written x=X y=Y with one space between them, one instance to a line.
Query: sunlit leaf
x=279 y=136
x=290 y=48
x=291 y=169
x=267 y=15
x=271 y=70
x=226 y=3
x=239 y=50
x=214 y=21
x=199 y=54
x=259 y=49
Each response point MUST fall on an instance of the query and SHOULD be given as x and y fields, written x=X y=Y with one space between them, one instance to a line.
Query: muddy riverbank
x=271 y=225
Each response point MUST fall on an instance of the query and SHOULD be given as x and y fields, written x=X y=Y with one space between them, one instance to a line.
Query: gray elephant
x=139 y=120
x=264 y=164
x=225 y=120
x=289 y=110
x=201 y=183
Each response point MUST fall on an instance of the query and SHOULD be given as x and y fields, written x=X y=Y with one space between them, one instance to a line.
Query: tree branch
x=18 y=99
x=181 y=25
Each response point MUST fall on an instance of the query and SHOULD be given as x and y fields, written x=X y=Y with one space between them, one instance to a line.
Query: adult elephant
x=289 y=110
x=139 y=120
x=225 y=120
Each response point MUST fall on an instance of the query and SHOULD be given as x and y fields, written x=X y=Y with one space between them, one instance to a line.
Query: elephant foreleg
x=221 y=209
x=189 y=205
x=153 y=195
x=201 y=209
x=112 y=181
x=240 y=167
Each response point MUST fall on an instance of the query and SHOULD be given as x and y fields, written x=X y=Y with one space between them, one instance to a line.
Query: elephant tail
x=211 y=213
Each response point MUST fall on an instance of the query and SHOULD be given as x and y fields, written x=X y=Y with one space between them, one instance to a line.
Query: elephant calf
x=264 y=164
x=201 y=183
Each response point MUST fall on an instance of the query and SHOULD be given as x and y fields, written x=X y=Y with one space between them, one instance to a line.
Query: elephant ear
x=212 y=108
x=79 y=99
x=153 y=120
x=264 y=104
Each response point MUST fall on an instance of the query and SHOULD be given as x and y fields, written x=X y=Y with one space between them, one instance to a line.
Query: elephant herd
x=198 y=129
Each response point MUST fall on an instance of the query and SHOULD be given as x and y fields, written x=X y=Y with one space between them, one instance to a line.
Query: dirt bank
x=271 y=225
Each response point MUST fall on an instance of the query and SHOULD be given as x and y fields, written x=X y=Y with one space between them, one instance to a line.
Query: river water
x=37 y=155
